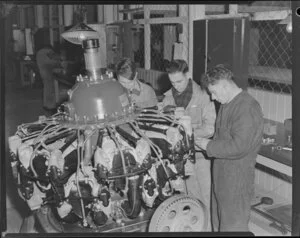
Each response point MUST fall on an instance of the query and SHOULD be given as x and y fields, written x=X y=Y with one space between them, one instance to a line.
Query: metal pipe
x=87 y=148
x=134 y=196
x=92 y=58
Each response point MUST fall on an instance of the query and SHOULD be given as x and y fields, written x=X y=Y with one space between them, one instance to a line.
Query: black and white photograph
x=156 y=118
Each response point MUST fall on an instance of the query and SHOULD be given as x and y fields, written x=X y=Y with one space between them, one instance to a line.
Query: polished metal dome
x=98 y=100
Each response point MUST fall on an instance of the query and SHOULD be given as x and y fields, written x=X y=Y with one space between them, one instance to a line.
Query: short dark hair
x=215 y=74
x=177 y=65
x=127 y=68
x=41 y=38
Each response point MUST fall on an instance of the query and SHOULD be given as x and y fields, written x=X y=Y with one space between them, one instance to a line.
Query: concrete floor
x=22 y=104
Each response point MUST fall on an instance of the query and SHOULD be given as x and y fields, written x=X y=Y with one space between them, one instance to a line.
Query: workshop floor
x=24 y=104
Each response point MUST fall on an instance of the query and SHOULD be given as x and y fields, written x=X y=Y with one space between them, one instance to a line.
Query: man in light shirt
x=187 y=94
x=141 y=94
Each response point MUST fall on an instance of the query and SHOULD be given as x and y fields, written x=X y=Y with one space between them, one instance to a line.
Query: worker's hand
x=179 y=112
x=169 y=108
x=186 y=121
x=201 y=143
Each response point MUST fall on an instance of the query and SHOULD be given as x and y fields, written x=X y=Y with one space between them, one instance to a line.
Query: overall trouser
x=199 y=183
x=231 y=199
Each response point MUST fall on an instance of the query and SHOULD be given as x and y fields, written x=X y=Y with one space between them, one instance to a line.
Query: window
x=270 y=53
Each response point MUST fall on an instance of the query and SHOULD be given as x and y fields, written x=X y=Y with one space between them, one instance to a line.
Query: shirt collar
x=136 y=89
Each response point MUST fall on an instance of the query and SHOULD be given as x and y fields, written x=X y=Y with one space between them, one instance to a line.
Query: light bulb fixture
x=288 y=22
x=289 y=27
x=79 y=33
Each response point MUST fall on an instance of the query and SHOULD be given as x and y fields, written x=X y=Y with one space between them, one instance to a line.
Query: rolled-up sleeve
x=147 y=98
x=208 y=117
x=152 y=98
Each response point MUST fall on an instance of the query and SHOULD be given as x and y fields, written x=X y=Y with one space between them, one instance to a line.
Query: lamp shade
x=79 y=33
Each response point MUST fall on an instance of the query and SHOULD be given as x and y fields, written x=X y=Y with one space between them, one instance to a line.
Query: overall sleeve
x=152 y=98
x=208 y=113
x=147 y=97
x=52 y=58
x=167 y=100
x=246 y=130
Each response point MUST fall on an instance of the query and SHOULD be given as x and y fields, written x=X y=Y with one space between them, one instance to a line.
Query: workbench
x=279 y=160
x=273 y=163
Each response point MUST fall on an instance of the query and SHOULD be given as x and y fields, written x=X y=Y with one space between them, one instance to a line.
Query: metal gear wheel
x=180 y=213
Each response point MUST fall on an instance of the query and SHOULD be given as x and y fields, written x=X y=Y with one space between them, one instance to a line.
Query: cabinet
x=119 y=41
x=112 y=44
x=222 y=41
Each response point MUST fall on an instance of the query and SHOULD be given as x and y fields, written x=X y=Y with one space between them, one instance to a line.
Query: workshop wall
x=275 y=106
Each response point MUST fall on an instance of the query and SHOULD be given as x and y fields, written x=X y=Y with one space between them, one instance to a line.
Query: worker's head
x=219 y=82
x=126 y=72
x=41 y=38
x=177 y=71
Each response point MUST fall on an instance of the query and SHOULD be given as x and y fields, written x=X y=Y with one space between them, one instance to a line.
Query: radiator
x=150 y=76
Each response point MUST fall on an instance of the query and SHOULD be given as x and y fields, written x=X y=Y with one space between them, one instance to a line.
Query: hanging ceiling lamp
x=288 y=22
x=80 y=32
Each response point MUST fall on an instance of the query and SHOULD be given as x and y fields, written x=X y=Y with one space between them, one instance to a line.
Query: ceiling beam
x=270 y=15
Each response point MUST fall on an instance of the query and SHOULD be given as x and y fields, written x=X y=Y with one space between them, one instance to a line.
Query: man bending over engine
x=142 y=94
x=187 y=94
x=235 y=145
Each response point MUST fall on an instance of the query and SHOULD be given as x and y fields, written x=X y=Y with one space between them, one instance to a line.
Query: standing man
x=142 y=94
x=47 y=59
x=239 y=130
x=197 y=104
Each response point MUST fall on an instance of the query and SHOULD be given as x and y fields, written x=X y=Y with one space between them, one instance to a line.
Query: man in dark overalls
x=234 y=148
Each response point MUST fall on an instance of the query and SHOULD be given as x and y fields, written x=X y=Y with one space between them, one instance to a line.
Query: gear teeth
x=159 y=216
